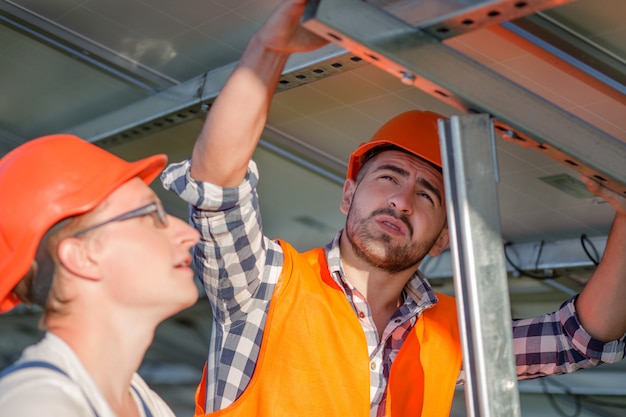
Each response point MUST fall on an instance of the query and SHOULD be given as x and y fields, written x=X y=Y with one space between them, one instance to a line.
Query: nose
x=402 y=199
x=183 y=233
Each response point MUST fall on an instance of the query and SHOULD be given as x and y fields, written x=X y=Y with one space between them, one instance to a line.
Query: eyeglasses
x=155 y=209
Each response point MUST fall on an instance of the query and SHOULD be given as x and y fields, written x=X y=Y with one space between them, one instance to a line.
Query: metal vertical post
x=470 y=174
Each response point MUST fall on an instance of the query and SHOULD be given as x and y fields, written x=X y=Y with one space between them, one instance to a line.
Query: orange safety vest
x=314 y=360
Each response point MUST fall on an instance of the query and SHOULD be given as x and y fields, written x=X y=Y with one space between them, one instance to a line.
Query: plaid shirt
x=240 y=267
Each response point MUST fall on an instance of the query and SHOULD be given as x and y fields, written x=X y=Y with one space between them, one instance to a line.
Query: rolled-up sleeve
x=557 y=343
x=233 y=255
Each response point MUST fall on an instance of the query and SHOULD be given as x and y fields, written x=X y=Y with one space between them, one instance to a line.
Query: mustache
x=398 y=216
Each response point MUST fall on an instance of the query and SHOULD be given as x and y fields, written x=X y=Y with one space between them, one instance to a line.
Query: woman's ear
x=75 y=255
x=441 y=243
x=346 y=197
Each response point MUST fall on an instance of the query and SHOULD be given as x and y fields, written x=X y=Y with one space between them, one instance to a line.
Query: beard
x=377 y=249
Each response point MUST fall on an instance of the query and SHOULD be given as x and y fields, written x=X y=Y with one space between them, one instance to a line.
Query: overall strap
x=146 y=410
x=47 y=365
x=33 y=364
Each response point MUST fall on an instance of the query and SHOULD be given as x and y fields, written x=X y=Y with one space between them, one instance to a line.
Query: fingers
x=591 y=184
x=283 y=33
x=615 y=199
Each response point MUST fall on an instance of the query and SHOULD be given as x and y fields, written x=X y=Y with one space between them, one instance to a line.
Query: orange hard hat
x=414 y=131
x=49 y=179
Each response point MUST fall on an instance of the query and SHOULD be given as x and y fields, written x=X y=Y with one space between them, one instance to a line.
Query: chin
x=192 y=299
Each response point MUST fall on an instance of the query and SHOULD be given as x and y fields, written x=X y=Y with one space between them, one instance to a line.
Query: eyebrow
x=404 y=173
x=393 y=168
x=430 y=187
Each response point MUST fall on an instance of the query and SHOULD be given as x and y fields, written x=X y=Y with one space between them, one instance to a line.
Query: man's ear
x=75 y=255
x=441 y=243
x=346 y=197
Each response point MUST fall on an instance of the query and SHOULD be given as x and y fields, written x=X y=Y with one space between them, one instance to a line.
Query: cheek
x=438 y=225
x=430 y=222
x=139 y=253
x=367 y=200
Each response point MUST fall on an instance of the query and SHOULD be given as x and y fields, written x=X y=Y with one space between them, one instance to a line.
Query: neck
x=382 y=290
x=377 y=285
x=111 y=348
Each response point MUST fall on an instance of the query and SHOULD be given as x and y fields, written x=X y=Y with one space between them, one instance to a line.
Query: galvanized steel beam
x=480 y=283
x=191 y=99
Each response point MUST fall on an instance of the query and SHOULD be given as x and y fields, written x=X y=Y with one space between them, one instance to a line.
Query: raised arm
x=238 y=115
x=601 y=306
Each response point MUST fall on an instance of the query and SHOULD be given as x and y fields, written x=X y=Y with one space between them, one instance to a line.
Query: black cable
x=578 y=399
x=603 y=403
x=552 y=400
x=595 y=260
x=523 y=272
x=539 y=255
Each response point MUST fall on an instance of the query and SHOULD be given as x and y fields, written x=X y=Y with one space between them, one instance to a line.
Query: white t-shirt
x=37 y=391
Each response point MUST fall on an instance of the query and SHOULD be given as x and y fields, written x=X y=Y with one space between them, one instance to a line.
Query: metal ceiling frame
x=587 y=68
x=192 y=98
x=564 y=43
x=414 y=55
x=520 y=116
x=84 y=49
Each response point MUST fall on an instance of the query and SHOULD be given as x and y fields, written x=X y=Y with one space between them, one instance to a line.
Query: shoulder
x=37 y=390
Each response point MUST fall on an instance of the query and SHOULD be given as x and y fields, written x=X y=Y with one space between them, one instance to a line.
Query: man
x=83 y=236
x=354 y=328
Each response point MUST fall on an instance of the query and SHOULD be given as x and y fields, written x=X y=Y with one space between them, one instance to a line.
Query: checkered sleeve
x=239 y=268
x=557 y=343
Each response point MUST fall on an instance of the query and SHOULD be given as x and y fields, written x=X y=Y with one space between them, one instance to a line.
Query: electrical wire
x=603 y=403
x=553 y=402
x=596 y=259
x=521 y=271
x=539 y=255
x=579 y=399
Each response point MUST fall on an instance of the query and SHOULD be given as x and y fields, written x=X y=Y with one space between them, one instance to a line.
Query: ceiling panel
x=598 y=22
x=46 y=91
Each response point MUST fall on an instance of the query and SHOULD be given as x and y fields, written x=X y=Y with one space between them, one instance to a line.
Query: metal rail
x=480 y=283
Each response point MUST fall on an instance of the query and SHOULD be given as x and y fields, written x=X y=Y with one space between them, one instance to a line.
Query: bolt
x=407 y=78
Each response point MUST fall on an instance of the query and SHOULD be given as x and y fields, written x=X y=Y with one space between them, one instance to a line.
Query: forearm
x=236 y=120
x=601 y=306
x=238 y=115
